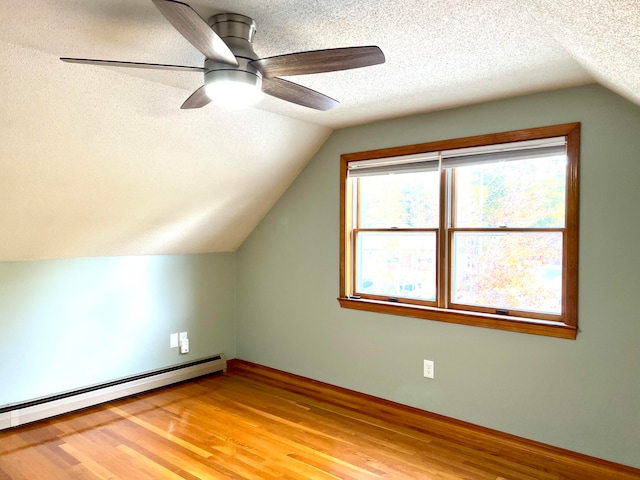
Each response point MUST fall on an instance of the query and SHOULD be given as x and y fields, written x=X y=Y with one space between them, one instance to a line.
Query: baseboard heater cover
x=21 y=413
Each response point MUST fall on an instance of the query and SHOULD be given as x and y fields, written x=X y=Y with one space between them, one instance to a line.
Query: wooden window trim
x=566 y=327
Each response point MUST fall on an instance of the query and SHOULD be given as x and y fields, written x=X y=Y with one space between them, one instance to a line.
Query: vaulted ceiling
x=99 y=161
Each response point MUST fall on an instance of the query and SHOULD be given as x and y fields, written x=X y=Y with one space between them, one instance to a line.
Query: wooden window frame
x=562 y=326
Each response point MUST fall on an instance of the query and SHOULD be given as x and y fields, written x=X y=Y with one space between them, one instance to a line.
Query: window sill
x=524 y=325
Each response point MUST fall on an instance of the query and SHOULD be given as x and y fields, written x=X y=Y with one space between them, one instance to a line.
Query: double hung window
x=479 y=230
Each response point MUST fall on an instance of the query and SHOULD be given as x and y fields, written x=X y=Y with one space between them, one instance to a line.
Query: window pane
x=510 y=270
x=397 y=264
x=400 y=200
x=515 y=194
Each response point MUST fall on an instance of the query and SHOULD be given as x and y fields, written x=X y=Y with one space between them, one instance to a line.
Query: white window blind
x=433 y=161
x=423 y=162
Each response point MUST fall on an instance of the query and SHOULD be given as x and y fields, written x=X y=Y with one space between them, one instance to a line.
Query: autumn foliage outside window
x=479 y=230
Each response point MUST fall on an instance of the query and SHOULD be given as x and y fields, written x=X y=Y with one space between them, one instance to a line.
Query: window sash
x=358 y=268
x=502 y=309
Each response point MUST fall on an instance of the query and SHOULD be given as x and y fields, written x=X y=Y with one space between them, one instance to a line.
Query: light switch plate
x=173 y=340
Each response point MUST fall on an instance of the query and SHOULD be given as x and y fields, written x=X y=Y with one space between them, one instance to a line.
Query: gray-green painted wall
x=583 y=395
x=67 y=324
x=76 y=322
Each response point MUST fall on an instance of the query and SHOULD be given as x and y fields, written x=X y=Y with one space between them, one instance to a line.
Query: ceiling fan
x=232 y=70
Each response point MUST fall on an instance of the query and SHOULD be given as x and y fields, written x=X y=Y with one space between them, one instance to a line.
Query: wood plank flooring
x=258 y=423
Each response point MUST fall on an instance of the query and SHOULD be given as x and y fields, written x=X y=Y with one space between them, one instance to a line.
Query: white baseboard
x=39 y=409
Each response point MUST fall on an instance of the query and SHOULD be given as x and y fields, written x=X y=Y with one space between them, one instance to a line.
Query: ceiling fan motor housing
x=237 y=31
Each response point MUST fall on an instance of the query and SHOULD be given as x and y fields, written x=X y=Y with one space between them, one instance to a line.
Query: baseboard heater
x=17 y=414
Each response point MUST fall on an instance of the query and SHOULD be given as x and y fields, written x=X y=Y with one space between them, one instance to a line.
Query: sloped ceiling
x=100 y=161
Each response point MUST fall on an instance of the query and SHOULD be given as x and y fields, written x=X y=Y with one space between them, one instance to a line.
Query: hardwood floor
x=257 y=423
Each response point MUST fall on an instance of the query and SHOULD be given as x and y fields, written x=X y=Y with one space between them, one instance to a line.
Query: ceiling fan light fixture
x=233 y=88
x=233 y=73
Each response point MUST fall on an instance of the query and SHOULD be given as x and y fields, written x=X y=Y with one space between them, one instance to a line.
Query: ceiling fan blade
x=115 y=63
x=196 y=30
x=198 y=99
x=319 y=61
x=294 y=93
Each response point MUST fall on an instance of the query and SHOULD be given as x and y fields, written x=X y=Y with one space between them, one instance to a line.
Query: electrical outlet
x=173 y=340
x=184 y=342
x=429 y=368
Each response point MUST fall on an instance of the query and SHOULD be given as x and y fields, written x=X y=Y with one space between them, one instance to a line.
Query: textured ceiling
x=101 y=161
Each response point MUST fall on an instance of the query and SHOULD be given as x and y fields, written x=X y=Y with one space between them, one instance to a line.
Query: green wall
x=77 y=322
x=583 y=395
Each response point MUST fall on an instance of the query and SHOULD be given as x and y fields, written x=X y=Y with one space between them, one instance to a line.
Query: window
x=479 y=230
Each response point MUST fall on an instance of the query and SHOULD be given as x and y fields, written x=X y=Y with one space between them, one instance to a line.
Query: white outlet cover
x=184 y=335
x=173 y=340
x=429 y=367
